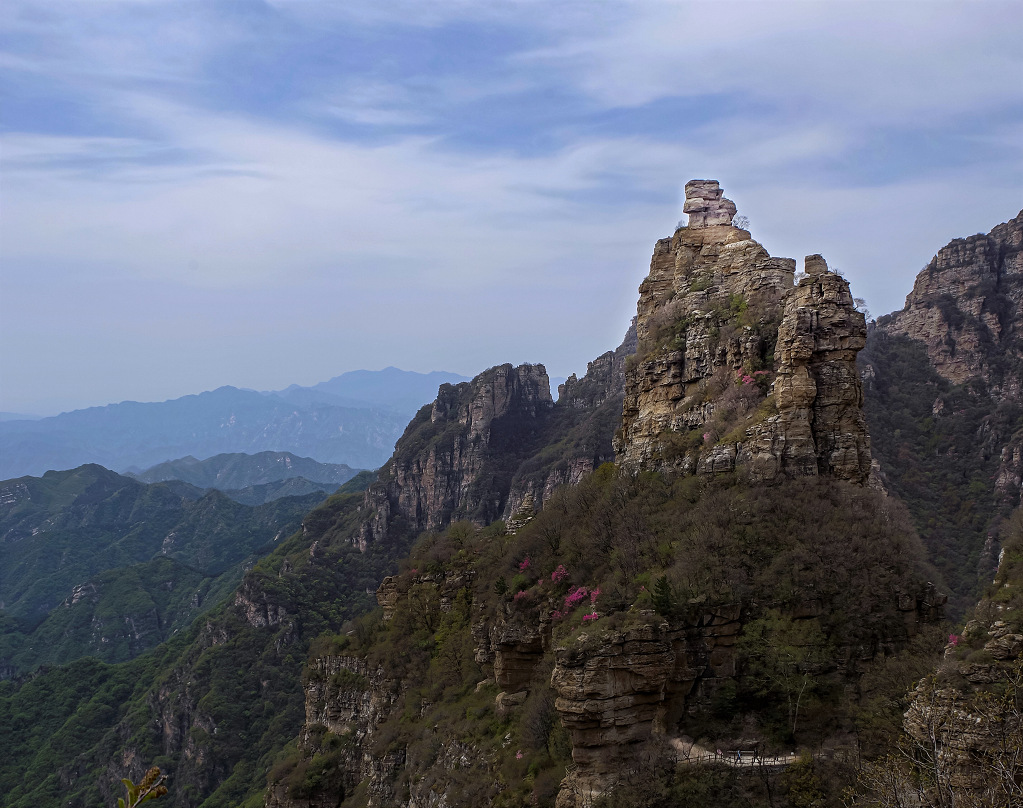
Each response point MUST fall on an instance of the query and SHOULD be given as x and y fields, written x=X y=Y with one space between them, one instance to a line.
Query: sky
x=195 y=194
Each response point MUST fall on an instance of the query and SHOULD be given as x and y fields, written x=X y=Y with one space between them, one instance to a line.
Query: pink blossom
x=590 y=616
x=559 y=574
x=575 y=597
x=413 y=572
x=761 y=372
x=594 y=595
x=953 y=640
x=557 y=615
x=518 y=755
x=523 y=595
x=524 y=565
x=706 y=437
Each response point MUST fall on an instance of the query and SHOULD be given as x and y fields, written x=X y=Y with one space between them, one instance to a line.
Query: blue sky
x=264 y=193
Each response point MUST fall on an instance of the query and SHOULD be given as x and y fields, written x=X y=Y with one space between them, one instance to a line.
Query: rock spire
x=736 y=364
x=705 y=204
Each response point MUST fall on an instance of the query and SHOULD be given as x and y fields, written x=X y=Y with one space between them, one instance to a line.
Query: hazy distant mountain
x=309 y=422
x=403 y=391
x=227 y=472
x=18 y=416
x=92 y=562
x=268 y=492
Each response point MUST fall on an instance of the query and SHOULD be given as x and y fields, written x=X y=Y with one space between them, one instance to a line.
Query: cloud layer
x=266 y=193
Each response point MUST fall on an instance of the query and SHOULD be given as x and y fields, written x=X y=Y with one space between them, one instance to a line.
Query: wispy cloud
x=423 y=165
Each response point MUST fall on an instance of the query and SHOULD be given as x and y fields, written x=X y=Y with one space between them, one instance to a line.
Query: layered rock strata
x=620 y=692
x=482 y=450
x=447 y=464
x=819 y=427
x=719 y=320
x=706 y=204
x=345 y=697
x=965 y=307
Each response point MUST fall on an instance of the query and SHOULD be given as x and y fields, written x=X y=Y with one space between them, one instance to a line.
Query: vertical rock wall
x=819 y=427
x=718 y=320
x=965 y=307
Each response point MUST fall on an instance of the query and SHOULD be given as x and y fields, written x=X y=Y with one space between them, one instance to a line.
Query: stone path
x=692 y=754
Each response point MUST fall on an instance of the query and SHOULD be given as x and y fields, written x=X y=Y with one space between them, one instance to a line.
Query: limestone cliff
x=486 y=447
x=737 y=365
x=456 y=456
x=965 y=307
x=621 y=692
x=944 y=381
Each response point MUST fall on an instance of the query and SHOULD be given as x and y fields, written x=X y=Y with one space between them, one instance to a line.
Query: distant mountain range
x=237 y=470
x=353 y=419
x=400 y=391
x=95 y=563
x=252 y=479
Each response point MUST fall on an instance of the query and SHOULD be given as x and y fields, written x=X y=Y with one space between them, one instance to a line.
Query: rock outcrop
x=454 y=456
x=484 y=447
x=347 y=699
x=966 y=720
x=622 y=691
x=819 y=427
x=944 y=379
x=965 y=307
x=719 y=320
x=706 y=204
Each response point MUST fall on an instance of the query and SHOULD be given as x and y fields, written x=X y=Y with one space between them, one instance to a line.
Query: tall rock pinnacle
x=736 y=364
x=705 y=204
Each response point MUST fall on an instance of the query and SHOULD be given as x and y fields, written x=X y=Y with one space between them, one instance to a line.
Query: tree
x=151 y=787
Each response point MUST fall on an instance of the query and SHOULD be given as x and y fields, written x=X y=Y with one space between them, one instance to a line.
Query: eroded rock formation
x=446 y=465
x=706 y=204
x=965 y=307
x=620 y=692
x=819 y=427
x=718 y=320
x=482 y=448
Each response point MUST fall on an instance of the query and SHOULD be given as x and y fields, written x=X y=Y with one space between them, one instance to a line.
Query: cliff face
x=455 y=458
x=719 y=321
x=485 y=448
x=944 y=387
x=819 y=427
x=622 y=692
x=345 y=698
x=965 y=307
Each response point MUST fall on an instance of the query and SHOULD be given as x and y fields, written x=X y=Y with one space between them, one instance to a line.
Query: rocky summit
x=965 y=307
x=739 y=365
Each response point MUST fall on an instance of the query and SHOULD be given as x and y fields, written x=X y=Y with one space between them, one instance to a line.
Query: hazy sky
x=267 y=193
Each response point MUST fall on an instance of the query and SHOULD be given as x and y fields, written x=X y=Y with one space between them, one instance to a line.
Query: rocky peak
x=449 y=463
x=706 y=204
x=485 y=449
x=819 y=427
x=737 y=365
x=965 y=308
x=604 y=378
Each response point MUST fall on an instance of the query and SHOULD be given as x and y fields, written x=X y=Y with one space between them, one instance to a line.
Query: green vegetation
x=938 y=448
x=93 y=563
x=813 y=568
x=215 y=706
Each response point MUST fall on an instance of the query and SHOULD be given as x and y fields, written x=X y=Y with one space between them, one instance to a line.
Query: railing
x=691 y=754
